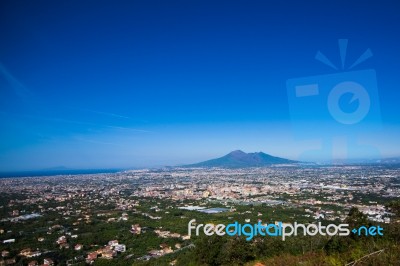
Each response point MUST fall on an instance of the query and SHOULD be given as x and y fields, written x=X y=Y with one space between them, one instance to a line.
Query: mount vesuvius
x=240 y=159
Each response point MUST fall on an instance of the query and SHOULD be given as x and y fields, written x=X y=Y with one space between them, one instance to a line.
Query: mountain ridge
x=241 y=159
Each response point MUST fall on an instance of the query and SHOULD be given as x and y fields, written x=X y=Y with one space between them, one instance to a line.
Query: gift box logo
x=344 y=104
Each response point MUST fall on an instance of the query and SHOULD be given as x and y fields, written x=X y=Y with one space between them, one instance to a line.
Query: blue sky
x=102 y=84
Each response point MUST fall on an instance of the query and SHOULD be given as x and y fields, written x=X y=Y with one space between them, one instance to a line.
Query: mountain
x=239 y=159
x=392 y=160
x=374 y=161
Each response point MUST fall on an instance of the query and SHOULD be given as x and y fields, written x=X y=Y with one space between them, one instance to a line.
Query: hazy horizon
x=61 y=168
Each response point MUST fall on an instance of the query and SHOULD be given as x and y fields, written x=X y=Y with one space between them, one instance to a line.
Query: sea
x=56 y=172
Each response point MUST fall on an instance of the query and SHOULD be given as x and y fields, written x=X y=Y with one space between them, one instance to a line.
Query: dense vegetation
x=299 y=250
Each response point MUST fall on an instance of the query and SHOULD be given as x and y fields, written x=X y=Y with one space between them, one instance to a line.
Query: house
x=5 y=253
x=103 y=250
x=113 y=243
x=78 y=247
x=48 y=262
x=25 y=252
x=109 y=254
x=155 y=253
x=64 y=245
x=185 y=237
x=319 y=216
x=91 y=257
x=33 y=263
x=136 y=229
x=175 y=235
x=124 y=217
x=165 y=248
x=120 y=248
x=62 y=240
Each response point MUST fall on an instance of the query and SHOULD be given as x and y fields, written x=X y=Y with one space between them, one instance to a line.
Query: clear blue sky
x=101 y=84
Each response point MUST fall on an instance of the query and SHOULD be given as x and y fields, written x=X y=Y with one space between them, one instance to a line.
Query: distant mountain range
x=240 y=159
x=392 y=160
x=375 y=161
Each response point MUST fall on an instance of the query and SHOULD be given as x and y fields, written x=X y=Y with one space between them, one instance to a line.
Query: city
x=141 y=215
